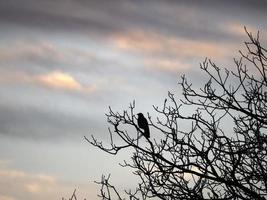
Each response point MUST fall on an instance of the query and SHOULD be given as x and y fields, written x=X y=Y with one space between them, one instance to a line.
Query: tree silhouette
x=221 y=154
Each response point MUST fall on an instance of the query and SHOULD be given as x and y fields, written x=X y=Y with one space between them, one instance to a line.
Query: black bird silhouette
x=143 y=124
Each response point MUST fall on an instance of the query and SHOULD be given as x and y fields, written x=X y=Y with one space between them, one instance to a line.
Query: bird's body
x=143 y=124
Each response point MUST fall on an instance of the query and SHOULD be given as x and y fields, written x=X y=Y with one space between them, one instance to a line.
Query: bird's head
x=140 y=115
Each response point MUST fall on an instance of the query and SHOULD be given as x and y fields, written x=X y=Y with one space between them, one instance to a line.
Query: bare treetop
x=204 y=160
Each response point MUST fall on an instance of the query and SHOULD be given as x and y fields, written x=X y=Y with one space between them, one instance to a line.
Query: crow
x=143 y=124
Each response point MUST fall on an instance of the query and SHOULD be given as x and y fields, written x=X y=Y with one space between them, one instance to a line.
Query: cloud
x=4 y=162
x=17 y=185
x=18 y=49
x=238 y=29
x=138 y=41
x=13 y=174
x=33 y=111
x=171 y=54
x=149 y=43
x=60 y=80
x=56 y=80
x=44 y=54
x=74 y=16
x=170 y=65
x=33 y=188
x=65 y=81
x=54 y=53
x=5 y=197
x=84 y=16
x=25 y=183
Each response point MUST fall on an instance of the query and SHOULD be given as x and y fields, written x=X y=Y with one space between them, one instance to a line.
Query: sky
x=63 y=62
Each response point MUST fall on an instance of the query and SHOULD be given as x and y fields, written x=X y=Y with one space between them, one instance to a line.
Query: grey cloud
x=29 y=123
x=33 y=112
x=37 y=113
x=42 y=57
x=191 y=19
x=37 y=56
x=123 y=81
x=50 y=15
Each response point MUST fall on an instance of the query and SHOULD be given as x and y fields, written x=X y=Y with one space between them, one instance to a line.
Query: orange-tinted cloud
x=153 y=43
x=17 y=185
x=59 y=80
x=138 y=41
x=13 y=174
x=166 y=65
x=33 y=187
x=5 y=162
x=6 y=197
x=239 y=30
x=55 y=79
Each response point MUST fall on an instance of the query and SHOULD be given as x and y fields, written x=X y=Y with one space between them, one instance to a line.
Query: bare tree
x=73 y=196
x=221 y=155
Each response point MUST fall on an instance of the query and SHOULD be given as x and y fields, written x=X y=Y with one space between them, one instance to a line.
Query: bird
x=143 y=124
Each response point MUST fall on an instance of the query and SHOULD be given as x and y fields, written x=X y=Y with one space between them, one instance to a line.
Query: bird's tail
x=147 y=132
